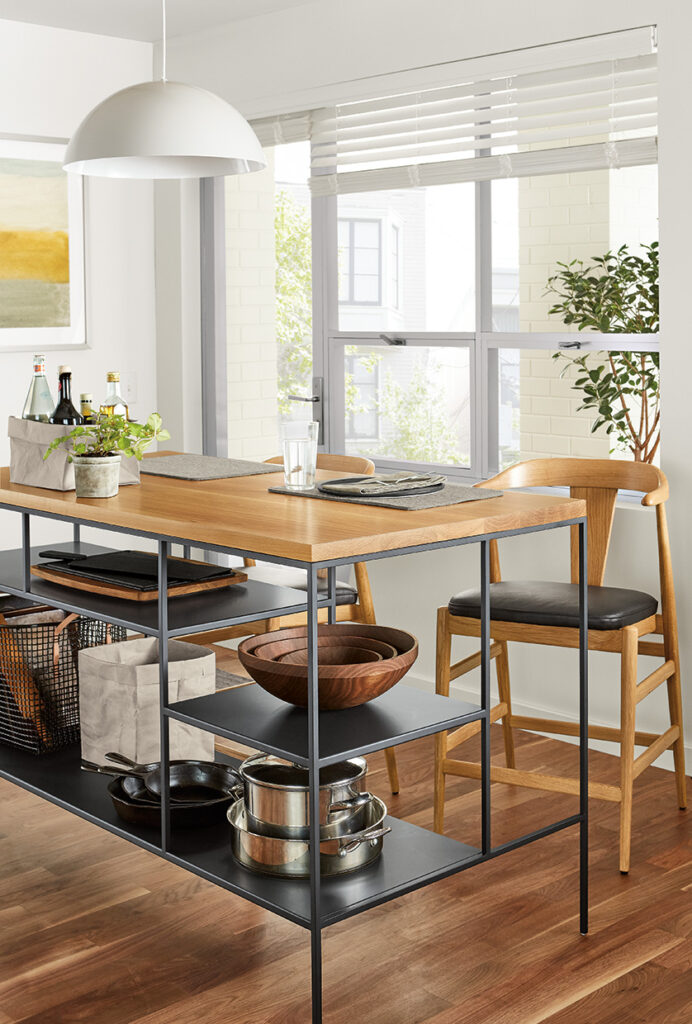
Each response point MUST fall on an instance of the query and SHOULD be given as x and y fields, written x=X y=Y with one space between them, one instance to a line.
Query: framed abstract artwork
x=42 y=294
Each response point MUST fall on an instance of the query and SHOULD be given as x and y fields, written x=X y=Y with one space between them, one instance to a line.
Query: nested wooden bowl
x=340 y=685
x=337 y=655
x=284 y=650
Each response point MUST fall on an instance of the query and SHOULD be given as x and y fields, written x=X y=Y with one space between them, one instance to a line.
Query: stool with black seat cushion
x=547 y=613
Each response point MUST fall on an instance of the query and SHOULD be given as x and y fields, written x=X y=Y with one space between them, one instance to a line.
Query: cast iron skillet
x=191 y=782
x=149 y=814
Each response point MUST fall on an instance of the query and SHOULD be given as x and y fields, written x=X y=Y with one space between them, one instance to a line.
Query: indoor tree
x=617 y=293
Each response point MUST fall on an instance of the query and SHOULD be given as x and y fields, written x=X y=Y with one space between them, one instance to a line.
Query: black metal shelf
x=248 y=714
x=412 y=857
x=196 y=613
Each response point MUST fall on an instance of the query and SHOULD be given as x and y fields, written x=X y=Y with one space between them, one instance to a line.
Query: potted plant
x=96 y=450
x=616 y=294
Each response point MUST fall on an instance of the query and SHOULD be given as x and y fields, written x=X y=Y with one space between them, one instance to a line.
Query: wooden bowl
x=340 y=686
x=279 y=650
x=335 y=655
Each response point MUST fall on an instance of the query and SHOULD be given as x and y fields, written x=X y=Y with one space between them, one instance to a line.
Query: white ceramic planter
x=96 y=476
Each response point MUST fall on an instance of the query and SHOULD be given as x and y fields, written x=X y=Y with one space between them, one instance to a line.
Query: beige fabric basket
x=119 y=700
x=29 y=442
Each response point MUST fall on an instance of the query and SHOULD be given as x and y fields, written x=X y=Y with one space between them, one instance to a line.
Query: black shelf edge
x=248 y=714
x=412 y=857
x=196 y=613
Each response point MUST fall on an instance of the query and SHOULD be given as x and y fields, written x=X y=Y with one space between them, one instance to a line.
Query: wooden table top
x=240 y=513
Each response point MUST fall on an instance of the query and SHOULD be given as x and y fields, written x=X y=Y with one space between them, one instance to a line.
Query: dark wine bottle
x=65 y=411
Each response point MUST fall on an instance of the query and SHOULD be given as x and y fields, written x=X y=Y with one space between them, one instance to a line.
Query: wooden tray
x=127 y=593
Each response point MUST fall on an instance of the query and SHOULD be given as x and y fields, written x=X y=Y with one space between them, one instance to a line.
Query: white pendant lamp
x=163 y=130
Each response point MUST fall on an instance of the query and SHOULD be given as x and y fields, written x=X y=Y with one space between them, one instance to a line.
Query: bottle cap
x=113 y=375
x=86 y=396
x=64 y=369
x=39 y=362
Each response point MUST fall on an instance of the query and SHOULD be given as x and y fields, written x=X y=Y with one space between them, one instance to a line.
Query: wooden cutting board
x=127 y=593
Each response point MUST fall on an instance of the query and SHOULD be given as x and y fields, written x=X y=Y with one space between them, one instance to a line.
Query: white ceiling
x=137 y=19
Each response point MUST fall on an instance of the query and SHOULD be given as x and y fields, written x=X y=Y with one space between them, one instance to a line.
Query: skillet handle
x=121 y=759
x=107 y=769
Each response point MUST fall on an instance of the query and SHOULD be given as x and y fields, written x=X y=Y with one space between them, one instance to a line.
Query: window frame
x=351 y=222
x=329 y=342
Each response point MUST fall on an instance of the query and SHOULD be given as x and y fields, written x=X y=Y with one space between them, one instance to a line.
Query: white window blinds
x=276 y=131
x=579 y=116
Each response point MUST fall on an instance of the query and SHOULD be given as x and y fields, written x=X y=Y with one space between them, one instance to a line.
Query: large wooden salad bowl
x=340 y=685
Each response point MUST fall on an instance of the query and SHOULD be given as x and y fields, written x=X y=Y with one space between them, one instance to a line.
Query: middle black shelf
x=248 y=714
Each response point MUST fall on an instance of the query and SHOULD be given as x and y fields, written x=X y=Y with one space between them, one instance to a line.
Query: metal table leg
x=486 y=841
x=26 y=551
x=583 y=732
x=313 y=755
x=76 y=533
x=331 y=591
x=163 y=695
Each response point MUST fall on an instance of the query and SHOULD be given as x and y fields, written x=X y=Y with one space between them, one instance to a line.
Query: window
x=442 y=203
x=481 y=188
x=360 y=262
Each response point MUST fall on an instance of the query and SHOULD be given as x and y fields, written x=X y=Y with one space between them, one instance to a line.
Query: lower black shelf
x=412 y=857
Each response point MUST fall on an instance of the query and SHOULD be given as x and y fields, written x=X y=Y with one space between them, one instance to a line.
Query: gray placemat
x=203 y=467
x=450 y=494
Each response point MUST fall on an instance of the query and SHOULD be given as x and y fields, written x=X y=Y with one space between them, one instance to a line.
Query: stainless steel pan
x=277 y=797
x=290 y=858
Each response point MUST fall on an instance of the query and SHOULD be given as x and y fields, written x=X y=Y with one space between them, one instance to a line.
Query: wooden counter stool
x=548 y=613
x=353 y=603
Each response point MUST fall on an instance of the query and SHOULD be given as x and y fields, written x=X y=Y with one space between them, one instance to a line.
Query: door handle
x=301 y=398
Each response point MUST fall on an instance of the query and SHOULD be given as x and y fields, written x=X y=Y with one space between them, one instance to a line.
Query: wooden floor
x=94 y=930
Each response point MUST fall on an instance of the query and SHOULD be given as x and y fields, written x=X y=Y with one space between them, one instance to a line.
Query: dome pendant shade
x=164 y=130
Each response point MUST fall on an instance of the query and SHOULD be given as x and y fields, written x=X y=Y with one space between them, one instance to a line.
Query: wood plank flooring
x=94 y=930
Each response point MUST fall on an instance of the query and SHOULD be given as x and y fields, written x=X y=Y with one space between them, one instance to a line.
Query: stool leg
x=675 y=705
x=628 y=683
x=392 y=769
x=502 y=665
x=442 y=672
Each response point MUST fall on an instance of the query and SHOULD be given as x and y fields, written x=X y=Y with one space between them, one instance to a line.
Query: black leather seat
x=556 y=604
x=286 y=576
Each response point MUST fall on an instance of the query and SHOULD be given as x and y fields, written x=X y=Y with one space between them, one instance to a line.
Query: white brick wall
x=561 y=217
x=250 y=312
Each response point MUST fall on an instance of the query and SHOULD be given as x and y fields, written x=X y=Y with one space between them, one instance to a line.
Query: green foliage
x=112 y=435
x=293 y=298
x=418 y=413
x=616 y=294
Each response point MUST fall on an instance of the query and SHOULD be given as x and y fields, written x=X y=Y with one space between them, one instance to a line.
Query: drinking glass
x=300 y=455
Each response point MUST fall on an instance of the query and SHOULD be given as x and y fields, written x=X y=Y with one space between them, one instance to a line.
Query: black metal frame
x=467 y=858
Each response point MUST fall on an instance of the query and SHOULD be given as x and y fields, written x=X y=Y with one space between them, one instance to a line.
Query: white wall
x=282 y=61
x=49 y=79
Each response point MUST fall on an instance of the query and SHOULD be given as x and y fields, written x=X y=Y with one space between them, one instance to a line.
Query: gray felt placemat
x=203 y=467
x=450 y=494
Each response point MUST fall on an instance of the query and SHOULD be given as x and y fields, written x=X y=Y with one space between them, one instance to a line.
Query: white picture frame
x=42 y=339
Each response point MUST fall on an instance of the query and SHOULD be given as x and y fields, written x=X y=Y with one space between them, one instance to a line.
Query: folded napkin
x=384 y=484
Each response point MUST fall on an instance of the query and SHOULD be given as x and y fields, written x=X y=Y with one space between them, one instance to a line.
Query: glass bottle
x=65 y=412
x=86 y=406
x=39 y=402
x=113 y=404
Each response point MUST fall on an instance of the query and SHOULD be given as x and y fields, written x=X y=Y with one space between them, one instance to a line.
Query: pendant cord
x=163 y=28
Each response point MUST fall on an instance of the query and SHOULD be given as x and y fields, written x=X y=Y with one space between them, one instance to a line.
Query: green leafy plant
x=617 y=293
x=112 y=435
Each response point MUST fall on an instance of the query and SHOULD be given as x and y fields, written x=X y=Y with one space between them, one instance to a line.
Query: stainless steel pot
x=277 y=797
x=290 y=858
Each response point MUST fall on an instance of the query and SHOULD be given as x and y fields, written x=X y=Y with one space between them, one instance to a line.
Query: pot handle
x=352 y=804
x=261 y=758
x=364 y=837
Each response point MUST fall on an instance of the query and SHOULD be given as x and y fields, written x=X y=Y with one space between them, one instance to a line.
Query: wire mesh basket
x=39 y=680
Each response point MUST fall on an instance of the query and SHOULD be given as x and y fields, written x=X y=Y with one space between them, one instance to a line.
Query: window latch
x=569 y=344
x=302 y=398
x=392 y=339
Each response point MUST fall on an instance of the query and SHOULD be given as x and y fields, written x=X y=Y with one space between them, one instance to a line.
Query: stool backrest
x=338 y=463
x=597 y=481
